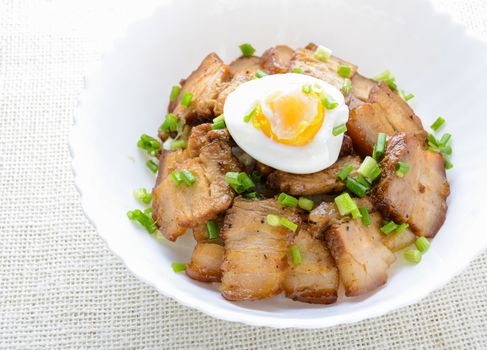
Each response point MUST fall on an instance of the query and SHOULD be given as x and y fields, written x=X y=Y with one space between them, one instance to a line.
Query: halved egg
x=281 y=121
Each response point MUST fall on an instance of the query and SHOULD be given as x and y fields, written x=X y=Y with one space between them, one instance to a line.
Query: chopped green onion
x=401 y=228
x=142 y=195
x=148 y=211
x=322 y=53
x=445 y=140
x=448 y=164
x=380 y=146
x=347 y=86
x=339 y=129
x=438 y=123
x=287 y=223
x=142 y=218
x=345 y=204
x=188 y=177
x=344 y=172
x=250 y=115
x=344 y=71
x=369 y=168
x=245 y=181
x=402 y=169
x=170 y=123
x=386 y=77
x=422 y=244
x=413 y=256
x=256 y=176
x=231 y=178
x=306 y=89
x=187 y=99
x=260 y=74
x=152 y=166
x=364 y=211
x=432 y=141
x=247 y=50
x=389 y=227
x=212 y=229
x=272 y=220
x=177 y=144
x=176 y=178
x=178 y=267
x=296 y=255
x=305 y=203
x=298 y=70
x=363 y=181
x=447 y=151
x=287 y=200
x=356 y=187
x=402 y=94
x=250 y=195
x=442 y=146
x=174 y=93
x=218 y=123
x=149 y=144
x=356 y=213
x=329 y=103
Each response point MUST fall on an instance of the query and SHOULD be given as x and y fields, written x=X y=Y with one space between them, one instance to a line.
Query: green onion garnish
x=250 y=195
x=212 y=229
x=187 y=98
x=152 y=166
x=218 y=123
x=363 y=181
x=272 y=220
x=170 y=123
x=346 y=205
x=356 y=187
x=329 y=103
x=404 y=96
x=441 y=146
x=176 y=178
x=339 y=129
x=247 y=50
x=240 y=182
x=148 y=211
x=148 y=143
x=174 y=93
x=245 y=181
x=401 y=228
x=306 y=89
x=445 y=140
x=356 y=213
x=260 y=74
x=322 y=53
x=142 y=195
x=256 y=176
x=178 y=267
x=344 y=71
x=448 y=164
x=296 y=255
x=369 y=168
x=385 y=76
x=402 y=168
x=413 y=256
x=306 y=203
x=177 y=144
x=298 y=70
x=285 y=222
x=344 y=172
x=389 y=227
x=422 y=244
x=250 y=115
x=364 y=211
x=438 y=123
x=380 y=146
x=143 y=219
x=347 y=86
x=287 y=200
x=188 y=177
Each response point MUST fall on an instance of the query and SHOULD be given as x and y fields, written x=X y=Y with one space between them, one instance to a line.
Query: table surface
x=60 y=286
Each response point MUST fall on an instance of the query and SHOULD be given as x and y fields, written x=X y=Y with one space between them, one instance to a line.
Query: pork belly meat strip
x=204 y=83
x=315 y=280
x=276 y=60
x=361 y=86
x=180 y=206
x=418 y=198
x=384 y=112
x=206 y=260
x=255 y=260
x=324 y=181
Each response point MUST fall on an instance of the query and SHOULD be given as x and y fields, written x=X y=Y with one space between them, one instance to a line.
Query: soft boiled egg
x=281 y=121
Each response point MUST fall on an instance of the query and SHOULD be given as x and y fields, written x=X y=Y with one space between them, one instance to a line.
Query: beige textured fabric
x=60 y=287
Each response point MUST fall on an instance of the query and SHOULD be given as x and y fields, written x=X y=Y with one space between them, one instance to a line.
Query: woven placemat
x=60 y=287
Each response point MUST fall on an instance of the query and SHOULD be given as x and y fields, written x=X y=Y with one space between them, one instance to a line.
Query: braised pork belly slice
x=243 y=69
x=206 y=260
x=255 y=260
x=385 y=112
x=315 y=280
x=204 y=83
x=419 y=197
x=177 y=207
x=361 y=87
x=276 y=60
x=324 y=181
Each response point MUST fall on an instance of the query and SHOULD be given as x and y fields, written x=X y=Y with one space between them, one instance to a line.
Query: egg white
x=318 y=154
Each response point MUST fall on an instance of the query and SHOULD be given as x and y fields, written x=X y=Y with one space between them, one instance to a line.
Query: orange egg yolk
x=292 y=118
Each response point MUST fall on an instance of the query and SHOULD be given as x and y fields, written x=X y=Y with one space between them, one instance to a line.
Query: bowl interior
x=429 y=56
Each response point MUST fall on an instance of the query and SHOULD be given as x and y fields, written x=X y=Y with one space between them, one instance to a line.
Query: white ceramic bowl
x=428 y=54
